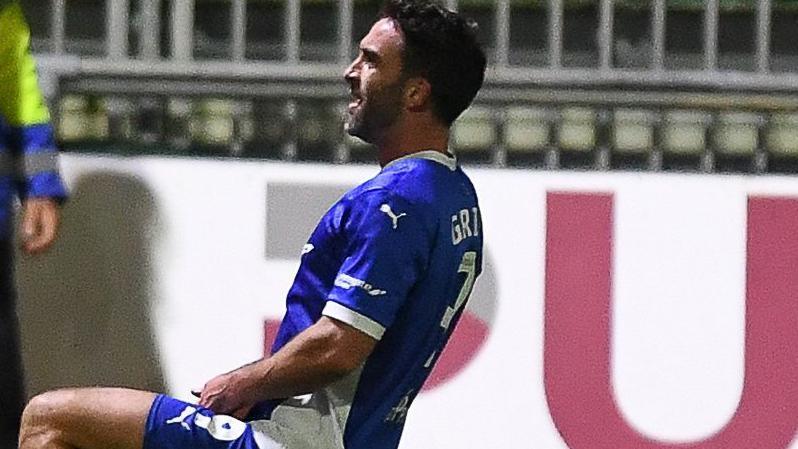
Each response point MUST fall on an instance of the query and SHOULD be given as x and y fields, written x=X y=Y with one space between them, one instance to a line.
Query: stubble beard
x=377 y=111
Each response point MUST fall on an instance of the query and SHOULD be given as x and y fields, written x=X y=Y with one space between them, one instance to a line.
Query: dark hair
x=442 y=47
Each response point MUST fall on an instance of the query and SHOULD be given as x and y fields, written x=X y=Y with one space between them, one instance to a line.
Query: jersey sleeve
x=387 y=250
x=24 y=111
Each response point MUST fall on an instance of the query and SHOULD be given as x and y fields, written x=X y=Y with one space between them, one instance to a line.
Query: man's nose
x=351 y=72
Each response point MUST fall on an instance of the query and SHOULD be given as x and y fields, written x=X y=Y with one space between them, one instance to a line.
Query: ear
x=417 y=94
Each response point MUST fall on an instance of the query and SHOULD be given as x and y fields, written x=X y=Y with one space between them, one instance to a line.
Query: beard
x=377 y=110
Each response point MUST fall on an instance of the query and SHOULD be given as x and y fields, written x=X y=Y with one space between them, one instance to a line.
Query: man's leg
x=90 y=418
x=12 y=391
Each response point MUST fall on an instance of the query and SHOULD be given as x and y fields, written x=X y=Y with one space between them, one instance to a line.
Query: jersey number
x=468 y=266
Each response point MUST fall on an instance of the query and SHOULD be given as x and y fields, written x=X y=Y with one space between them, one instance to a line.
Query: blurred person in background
x=382 y=282
x=29 y=170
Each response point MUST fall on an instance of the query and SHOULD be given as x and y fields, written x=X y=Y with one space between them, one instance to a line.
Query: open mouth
x=355 y=101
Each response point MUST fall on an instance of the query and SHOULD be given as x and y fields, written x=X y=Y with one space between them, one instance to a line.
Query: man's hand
x=224 y=394
x=321 y=354
x=40 y=218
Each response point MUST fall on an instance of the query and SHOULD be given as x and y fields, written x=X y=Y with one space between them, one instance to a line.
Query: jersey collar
x=447 y=160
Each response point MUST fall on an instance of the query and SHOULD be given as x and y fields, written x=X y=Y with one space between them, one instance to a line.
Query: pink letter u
x=578 y=319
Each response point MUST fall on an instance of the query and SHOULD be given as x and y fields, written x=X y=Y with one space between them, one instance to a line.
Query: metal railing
x=627 y=59
x=181 y=24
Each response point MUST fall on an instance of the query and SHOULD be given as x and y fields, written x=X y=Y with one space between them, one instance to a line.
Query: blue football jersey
x=396 y=258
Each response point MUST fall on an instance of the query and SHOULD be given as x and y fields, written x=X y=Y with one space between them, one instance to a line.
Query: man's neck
x=404 y=140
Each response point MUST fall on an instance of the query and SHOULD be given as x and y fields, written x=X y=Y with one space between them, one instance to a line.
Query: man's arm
x=320 y=355
x=23 y=108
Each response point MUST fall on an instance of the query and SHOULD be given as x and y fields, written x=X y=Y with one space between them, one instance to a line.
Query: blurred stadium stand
x=687 y=85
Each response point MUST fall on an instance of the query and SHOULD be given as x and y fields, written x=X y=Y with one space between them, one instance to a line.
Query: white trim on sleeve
x=360 y=322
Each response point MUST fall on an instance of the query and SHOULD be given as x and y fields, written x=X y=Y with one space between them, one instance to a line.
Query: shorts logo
x=348 y=282
x=181 y=419
x=394 y=218
x=220 y=427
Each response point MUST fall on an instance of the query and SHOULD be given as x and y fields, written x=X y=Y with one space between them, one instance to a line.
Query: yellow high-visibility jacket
x=28 y=154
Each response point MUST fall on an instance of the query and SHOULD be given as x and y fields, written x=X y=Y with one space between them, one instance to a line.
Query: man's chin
x=355 y=131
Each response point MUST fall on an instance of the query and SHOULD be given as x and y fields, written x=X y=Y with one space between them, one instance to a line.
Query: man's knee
x=49 y=408
x=42 y=416
x=87 y=418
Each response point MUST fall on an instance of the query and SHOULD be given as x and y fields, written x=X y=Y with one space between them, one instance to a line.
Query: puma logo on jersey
x=394 y=218
x=307 y=248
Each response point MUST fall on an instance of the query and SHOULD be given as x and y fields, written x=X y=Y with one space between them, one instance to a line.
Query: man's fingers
x=214 y=405
x=210 y=401
x=28 y=227
x=37 y=243
x=241 y=412
x=203 y=401
x=39 y=225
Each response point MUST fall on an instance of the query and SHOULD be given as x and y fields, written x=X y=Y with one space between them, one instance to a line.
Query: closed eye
x=369 y=56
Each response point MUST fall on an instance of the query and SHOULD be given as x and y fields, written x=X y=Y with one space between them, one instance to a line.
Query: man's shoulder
x=410 y=181
x=418 y=185
x=381 y=187
x=371 y=196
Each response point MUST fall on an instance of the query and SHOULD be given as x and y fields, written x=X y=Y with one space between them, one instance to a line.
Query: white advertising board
x=616 y=310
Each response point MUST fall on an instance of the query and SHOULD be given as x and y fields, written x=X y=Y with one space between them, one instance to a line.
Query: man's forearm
x=309 y=362
x=320 y=355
